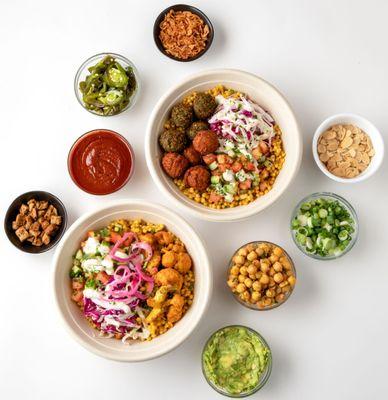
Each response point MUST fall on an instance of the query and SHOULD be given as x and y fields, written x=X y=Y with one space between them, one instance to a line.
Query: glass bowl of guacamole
x=236 y=361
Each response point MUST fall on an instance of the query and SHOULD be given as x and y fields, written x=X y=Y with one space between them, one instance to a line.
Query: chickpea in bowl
x=261 y=275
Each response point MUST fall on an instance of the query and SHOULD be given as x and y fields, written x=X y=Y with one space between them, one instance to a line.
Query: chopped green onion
x=323 y=226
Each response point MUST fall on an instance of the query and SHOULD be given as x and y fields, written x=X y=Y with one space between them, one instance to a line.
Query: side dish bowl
x=13 y=210
x=258 y=90
x=182 y=7
x=368 y=128
x=331 y=197
x=83 y=72
x=72 y=317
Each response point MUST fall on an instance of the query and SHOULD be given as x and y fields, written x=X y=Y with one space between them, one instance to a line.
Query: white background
x=330 y=339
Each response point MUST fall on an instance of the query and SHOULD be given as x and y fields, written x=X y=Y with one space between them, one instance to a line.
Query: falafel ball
x=192 y=155
x=174 y=164
x=172 y=140
x=204 y=105
x=197 y=177
x=182 y=115
x=205 y=142
x=196 y=127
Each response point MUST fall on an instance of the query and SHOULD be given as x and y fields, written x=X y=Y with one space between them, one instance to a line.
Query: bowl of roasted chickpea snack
x=223 y=145
x=261 y=275
x=348 y=148
x=131 y=280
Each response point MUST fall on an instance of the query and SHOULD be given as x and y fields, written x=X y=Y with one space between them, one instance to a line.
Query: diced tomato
x=103 y=277
x=114 y=237
x=224 y=159
x=209 y=158
x=214 y=197
x=223 y=167
x=77 y=296
x=77 y=285
x=245 y=185
x=249 y=166
x=91 y=234
x=236 y=166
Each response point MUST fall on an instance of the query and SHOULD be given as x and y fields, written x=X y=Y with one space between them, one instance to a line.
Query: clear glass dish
x=83 y=72
x=263 y=377
x=344 y=203
x=253 y=306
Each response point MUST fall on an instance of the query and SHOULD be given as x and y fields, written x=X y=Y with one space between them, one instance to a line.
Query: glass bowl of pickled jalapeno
x=324 y=226
x=107 y=84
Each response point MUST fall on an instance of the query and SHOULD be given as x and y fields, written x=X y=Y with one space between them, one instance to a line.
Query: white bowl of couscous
x=285 y=162
x=74 y=319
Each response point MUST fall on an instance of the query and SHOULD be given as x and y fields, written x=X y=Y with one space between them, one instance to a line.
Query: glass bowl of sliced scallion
x=324 y=226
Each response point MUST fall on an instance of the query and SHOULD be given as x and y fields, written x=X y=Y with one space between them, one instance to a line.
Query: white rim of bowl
x=368 y=172
x=169 y=347
x=216 y=217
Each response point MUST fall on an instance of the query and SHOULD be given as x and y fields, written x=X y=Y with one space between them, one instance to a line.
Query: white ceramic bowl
x=259 y=91
x=368 y=128
x=74 y=320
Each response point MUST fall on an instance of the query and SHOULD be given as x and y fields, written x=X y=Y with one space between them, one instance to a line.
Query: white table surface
x=330 y=339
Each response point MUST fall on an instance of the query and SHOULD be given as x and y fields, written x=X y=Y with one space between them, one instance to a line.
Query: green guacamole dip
x=234 y=359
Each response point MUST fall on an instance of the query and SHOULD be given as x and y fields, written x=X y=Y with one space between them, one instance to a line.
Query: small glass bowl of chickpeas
x=261 y=275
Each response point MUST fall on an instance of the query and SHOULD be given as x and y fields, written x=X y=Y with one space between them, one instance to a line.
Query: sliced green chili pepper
x=109 y=87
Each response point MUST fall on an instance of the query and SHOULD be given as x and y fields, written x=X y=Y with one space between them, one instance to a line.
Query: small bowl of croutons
x=35 y=221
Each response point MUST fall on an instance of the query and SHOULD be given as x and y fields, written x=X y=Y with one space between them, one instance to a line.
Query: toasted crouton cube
x=45 y=238
x=50 y=229
x=20 y=218
x=15 y=225
x=42 y=205
x=37 y=242
x=49 y=212
x=28 y=222
x=35 y=226
x=31 y=204
x=56 y=220
x=34 y=233
x=44 y=224
x=41 y=213
x=22 y=234
x=34 y=213
x=23 y=209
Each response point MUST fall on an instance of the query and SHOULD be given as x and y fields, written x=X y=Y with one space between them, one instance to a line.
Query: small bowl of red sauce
x=101 y=162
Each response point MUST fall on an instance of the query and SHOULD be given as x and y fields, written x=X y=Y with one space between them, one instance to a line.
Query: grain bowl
x=164 y=148
x=73 y=314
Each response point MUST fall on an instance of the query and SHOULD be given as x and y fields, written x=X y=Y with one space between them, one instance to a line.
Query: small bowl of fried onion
x=183 y=33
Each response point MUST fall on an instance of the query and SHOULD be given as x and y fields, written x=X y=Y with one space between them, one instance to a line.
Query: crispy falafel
x=174 y=164
x=192 y=155
x=182 y=115
x=197 y=177
x=204 y=105
x=196 y=127
x=206 y=142
x=172 y=140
